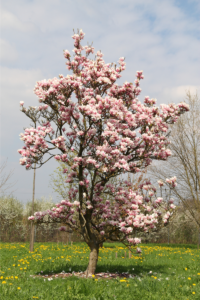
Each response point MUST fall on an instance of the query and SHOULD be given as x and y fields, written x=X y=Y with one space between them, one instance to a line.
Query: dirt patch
x=101 y=275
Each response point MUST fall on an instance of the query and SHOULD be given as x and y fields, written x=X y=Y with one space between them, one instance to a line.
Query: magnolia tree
x=110 y=132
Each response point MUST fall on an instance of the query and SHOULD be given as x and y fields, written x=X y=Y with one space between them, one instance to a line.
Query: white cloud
x=8 y=53
x=17 y=85
x=178 y=93
x=11 y=21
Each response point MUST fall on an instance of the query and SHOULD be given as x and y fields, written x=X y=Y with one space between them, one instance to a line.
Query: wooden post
x=125 y=254
x=116 y=254
x=130 y=254
x=32 y=223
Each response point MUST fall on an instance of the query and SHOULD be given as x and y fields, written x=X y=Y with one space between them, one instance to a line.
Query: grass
x=162 y=272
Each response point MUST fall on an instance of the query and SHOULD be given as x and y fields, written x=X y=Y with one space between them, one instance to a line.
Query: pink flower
x=138 y=250
x=62 y=228
x=57 y=157
x=159 y=200
x=160 y=182
x=172 y=206
x=21 y=103
x=137 y=241
x=129 y=230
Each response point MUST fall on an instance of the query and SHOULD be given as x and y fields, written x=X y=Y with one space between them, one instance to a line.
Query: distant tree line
x=16 y=228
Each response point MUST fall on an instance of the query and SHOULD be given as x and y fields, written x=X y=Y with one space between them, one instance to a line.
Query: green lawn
x=161 y=272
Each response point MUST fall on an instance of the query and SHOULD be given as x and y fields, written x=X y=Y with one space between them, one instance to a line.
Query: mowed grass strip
x=161 y=272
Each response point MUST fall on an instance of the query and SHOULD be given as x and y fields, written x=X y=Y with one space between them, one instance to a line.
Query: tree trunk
x=93 y=258
x=32 y=237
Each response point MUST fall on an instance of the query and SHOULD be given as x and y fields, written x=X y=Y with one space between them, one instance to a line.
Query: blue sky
x=160 y=37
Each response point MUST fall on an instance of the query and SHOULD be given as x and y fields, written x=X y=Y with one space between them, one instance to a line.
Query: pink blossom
x=172 y=206
x=159 y=200
x=160 y=182
x=62 y=228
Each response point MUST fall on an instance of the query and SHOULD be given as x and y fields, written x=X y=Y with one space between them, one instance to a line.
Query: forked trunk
x=93 y=258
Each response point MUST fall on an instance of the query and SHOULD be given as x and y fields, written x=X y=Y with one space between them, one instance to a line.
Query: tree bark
x=93 y=258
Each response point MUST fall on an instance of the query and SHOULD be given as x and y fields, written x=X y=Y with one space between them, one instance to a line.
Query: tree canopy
x=112 y=133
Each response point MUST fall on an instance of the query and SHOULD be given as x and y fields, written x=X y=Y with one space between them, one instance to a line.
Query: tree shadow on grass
x=108 y=268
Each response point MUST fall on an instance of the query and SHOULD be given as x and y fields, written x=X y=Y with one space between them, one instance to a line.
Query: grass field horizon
x=161 y=272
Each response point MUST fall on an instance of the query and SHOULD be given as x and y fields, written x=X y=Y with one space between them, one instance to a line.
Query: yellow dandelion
x=19 y=288
x=193 y=293
x=3 y=282
x=189 y=278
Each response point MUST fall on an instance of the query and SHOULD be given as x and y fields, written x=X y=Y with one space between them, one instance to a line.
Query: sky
x=162 y=38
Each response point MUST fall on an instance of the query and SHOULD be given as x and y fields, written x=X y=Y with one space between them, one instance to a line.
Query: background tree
x=45 y=231
x=59 y=177
x=111 y=133
x=185 y=160
x=11 y=219
x=15 y=226
x=5 y=176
